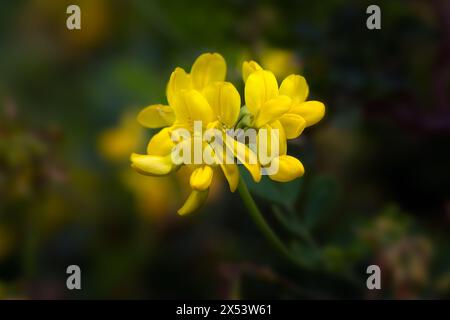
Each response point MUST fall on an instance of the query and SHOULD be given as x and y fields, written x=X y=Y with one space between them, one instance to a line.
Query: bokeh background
x=376 y=188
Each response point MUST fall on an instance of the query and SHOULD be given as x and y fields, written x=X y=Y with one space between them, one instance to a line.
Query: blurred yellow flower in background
x=50 y=16
x=115 y=144
x=153 y=195
x=201 y=96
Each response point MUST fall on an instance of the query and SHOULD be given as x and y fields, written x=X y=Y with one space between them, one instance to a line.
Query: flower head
x=202 y=101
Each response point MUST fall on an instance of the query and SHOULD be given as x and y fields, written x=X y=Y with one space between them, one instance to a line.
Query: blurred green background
x=376 y=188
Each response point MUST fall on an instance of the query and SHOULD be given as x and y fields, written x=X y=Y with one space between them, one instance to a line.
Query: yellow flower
x=203 y=100
x=152 y=195
x=204 y=96
x=248 y=67
x=284 y=108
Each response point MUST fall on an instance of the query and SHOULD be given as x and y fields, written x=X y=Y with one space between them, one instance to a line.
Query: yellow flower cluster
x=204 y=95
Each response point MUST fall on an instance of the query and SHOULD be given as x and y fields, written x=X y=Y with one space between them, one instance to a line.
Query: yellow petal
x=179 y=80
x=195 y=200
x=245 y=156
x=208 y=67
x=311 y=111
x=261 y=86
x=248 y=67
x=191 y=106
x=293 y=125
x=225 y=101
x=152 y=165
x=289 y=168
x=161 y=143
x=156 y=116
x=231 y=173
x=266 y=142
x=283 y=142
x=272 y=110
x=201 y=178
x=295 y=87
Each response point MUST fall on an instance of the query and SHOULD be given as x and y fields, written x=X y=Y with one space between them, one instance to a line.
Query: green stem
x=262 y=224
